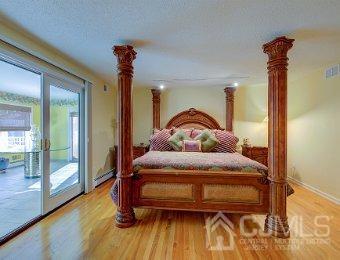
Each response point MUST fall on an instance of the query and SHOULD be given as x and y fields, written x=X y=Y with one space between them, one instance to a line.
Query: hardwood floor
x=84 y=229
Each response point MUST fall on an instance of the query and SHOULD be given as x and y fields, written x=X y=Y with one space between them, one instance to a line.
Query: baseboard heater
x=99 y=180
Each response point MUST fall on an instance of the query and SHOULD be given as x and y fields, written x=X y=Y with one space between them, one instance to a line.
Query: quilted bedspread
x=200 y=161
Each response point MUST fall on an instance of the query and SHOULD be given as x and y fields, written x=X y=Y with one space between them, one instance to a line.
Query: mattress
x=198 y=161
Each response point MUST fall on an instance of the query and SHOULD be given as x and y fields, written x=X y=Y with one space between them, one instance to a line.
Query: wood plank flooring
x=84 y=229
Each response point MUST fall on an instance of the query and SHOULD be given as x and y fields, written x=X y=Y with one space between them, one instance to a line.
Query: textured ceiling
x=184 y=38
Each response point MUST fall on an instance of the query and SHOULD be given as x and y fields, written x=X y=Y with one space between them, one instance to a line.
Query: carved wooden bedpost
x=229 y=98
x=125 y=216
x=276 y=221
x=156 y=108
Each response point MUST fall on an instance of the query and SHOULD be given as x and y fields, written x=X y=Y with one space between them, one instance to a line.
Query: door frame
x=72 y=115
x=15 y=54
x=25 y=60
x=52 y=201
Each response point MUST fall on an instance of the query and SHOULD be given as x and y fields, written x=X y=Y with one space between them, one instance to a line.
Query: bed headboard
x=193 y=118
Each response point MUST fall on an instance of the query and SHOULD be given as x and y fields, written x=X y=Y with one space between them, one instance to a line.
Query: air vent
x=333 y=71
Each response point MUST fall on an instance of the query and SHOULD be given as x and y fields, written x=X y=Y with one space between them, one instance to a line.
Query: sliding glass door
x=42 y=144
x=20 y=152
x=62 y=157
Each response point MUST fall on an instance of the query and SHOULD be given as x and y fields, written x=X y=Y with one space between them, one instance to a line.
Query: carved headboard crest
x=193 y=118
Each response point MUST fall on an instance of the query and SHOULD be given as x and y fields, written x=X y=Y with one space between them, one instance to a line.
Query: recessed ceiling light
x=235 y=84
x=161 y=86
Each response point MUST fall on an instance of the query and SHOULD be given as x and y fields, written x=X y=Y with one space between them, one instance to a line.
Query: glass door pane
x=63 y=170
x=20 y=151
x=64 y=136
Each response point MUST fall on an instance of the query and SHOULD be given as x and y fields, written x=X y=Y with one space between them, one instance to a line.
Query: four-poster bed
x=204 y=189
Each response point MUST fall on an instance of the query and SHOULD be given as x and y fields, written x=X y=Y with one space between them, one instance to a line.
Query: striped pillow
x=191 y=146
x=159 y=140
x=227 y=142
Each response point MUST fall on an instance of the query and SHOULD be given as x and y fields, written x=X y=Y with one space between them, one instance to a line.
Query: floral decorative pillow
x=227 y=141
x=208 y=140
x=176 y=140
x=159 y=140
x=191 y=146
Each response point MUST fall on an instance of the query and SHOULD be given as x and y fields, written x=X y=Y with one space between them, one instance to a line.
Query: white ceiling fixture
x=184 y=39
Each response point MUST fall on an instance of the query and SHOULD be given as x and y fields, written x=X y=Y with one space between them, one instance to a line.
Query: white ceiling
x=184 y=38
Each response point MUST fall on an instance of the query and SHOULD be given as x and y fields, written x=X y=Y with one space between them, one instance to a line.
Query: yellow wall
x=142 y=115
x=209 y=100
x=250 y=109
x=250 y=112
x=173 y=101
x=103 y=103
x=313 y=127
x=103 y=116
x=313 y=131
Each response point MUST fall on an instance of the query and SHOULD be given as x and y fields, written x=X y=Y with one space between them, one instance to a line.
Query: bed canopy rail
x=273 y=195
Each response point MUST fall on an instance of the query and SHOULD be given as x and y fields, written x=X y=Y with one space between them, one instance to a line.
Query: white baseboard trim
x=315 y=190
x=99 y=180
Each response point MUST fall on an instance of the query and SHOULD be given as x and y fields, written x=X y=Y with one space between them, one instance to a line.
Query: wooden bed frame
x=205 y=190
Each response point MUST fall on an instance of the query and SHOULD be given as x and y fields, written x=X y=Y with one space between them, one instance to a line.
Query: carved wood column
x=276 y=221
x=156 y=108
x=229 y=98
x=125 y=216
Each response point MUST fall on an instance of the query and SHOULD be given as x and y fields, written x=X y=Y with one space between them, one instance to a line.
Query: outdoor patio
x=20 y=197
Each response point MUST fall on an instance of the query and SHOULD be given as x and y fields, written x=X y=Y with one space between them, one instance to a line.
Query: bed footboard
x=201 y=191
